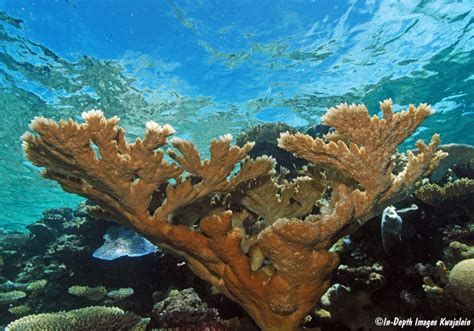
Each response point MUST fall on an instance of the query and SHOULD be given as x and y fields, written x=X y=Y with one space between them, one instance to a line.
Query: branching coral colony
x=198 y=210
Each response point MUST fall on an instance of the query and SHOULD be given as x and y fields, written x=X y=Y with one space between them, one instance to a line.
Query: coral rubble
x=197 y=209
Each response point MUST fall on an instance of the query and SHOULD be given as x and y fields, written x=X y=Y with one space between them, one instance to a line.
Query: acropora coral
x=198 y=210
x=37 y=285
x=20 y=310
x=121 y=293
x=89 y=318
x=90 y=293
x=433 y=193
x=11 y=296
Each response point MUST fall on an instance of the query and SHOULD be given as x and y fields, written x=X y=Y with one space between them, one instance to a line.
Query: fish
x=120 y=241
x=391 y=225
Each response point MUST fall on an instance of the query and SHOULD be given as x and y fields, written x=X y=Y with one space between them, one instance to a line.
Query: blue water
x=215 y=67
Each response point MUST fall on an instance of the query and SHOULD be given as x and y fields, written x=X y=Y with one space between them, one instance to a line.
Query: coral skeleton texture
x=206 y=213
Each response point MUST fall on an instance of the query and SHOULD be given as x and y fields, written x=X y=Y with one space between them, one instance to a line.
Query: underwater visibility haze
x=236 y=165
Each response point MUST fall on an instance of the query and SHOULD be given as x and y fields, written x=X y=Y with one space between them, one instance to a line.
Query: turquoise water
x=215 y=67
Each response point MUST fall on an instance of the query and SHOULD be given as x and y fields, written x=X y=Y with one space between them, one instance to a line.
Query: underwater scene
x=236 y=165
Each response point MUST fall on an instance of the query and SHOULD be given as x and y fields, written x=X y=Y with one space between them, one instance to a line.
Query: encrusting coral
x=198 y=210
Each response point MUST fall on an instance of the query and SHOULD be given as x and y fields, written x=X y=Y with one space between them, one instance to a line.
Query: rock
x=54 y=218
x=184 y=309
x=41 y=232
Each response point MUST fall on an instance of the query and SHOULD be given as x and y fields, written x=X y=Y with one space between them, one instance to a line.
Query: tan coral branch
x=367 y=150
x=276 y=273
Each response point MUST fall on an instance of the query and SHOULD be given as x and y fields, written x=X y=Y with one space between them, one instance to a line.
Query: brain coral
x=461 y=282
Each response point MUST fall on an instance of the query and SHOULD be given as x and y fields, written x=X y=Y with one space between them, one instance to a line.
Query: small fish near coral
x=197 y=209
x=391 y=225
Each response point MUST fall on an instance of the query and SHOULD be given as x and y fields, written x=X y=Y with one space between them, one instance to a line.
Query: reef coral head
x=461 y=282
